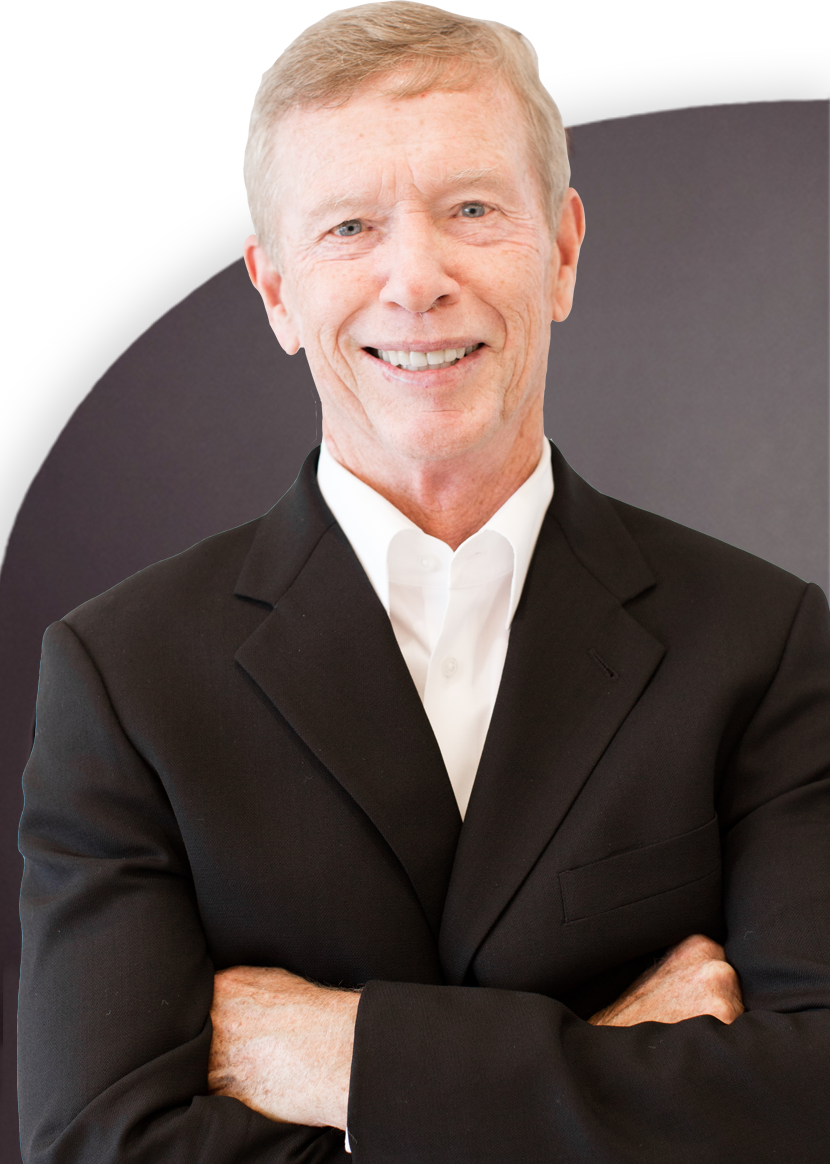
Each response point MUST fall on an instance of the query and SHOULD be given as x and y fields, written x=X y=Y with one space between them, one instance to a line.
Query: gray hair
x=414 y=48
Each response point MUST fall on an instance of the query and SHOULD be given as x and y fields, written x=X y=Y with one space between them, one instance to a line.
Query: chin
x=441 y=437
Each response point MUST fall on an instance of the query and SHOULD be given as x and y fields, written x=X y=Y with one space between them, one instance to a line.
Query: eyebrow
x=469 y=178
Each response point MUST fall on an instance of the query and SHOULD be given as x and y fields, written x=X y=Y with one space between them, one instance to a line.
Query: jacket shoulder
x=692 y=561
x=199 y=579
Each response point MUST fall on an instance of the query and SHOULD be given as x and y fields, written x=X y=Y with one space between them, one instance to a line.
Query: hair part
x=408 y=49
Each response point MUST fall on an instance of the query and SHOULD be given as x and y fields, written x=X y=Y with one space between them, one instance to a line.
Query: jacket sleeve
x=116 y=981
x=480 y=1076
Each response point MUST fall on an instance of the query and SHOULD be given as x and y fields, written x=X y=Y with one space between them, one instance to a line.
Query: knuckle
x=718 y=974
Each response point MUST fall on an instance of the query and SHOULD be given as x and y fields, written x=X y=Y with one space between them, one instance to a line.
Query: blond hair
x=414 y=48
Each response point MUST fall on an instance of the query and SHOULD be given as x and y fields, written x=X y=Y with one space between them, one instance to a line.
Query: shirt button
x=427 y=562
x=449 y=666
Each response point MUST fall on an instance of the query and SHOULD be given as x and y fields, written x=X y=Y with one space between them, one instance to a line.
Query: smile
x=424 y=361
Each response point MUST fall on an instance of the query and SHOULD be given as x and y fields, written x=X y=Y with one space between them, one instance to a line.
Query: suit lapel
x=327 y=657
x=576 y=664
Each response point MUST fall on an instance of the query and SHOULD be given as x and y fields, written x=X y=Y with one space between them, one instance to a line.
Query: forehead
x=438 y=139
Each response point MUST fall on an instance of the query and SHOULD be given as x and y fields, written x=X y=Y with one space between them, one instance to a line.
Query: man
x=253 y=920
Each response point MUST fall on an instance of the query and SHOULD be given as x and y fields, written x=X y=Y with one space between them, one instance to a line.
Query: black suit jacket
x=232 y=766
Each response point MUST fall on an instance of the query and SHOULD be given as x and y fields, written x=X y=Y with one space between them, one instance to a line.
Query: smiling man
x=451 y=811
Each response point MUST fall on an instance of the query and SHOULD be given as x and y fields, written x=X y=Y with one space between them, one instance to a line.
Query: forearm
x=282 y=1045
x=474 y=1075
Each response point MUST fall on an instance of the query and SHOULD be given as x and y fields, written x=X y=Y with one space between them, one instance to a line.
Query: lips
x=423 y=361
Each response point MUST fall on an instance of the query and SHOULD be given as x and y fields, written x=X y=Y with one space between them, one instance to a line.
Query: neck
x=450 y=499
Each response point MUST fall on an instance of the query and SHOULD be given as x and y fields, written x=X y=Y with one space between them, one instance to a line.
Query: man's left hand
x=693 y=979
x=282 y=1045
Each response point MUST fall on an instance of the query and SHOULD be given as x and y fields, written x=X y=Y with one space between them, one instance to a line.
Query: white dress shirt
x=450 y=611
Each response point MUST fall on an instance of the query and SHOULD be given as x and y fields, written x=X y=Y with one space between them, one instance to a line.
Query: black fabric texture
x=232 y=766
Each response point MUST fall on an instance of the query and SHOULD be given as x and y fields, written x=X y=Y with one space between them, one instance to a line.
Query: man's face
x=416 y=226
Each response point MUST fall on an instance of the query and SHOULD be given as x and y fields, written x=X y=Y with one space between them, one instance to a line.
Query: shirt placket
x=457 y=694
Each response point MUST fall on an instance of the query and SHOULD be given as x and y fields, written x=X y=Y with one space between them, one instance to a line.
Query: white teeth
x=419 y=360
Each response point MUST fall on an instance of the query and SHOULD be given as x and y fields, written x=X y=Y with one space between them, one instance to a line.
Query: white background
x=126 y=123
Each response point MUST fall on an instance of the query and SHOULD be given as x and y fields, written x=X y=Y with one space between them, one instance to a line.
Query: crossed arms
x=118 y=983
x=283 y=1046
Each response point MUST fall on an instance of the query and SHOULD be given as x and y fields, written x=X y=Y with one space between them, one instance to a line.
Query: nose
x=415 y=266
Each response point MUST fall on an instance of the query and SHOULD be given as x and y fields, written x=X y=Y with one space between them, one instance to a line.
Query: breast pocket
x=643 y=876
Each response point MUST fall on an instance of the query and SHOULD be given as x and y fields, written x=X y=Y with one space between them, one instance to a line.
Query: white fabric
x=451 y=612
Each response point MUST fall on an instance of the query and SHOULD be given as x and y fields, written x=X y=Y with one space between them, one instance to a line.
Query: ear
x=269 y=282
x=568 y=241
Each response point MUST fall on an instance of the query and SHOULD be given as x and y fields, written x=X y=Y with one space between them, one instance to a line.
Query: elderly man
x=255 y=928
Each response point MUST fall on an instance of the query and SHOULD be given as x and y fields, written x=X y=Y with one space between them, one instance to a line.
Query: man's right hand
x=693 y=978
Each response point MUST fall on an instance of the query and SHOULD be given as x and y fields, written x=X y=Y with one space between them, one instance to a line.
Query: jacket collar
x=596 y=534
x=288 y=533
x=285 y=538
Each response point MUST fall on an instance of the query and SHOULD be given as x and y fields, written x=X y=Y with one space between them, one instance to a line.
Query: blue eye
x=473 y=210
x=347 y=229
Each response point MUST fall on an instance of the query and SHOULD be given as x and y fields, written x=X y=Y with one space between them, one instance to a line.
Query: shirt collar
x=520 y=519
x=370 y=522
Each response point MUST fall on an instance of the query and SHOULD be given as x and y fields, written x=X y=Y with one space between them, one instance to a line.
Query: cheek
x=514 y=284
x=329 y=295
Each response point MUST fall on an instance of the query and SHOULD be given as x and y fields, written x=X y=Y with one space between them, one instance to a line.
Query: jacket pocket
x=640 y=873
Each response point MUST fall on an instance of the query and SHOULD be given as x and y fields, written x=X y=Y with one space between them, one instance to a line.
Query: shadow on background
x=691 y=380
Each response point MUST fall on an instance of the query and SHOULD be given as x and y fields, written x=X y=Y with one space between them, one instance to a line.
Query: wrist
x=342 y=1012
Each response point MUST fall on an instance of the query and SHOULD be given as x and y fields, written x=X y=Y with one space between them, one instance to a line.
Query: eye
x=473 y=210
x=347 y=229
